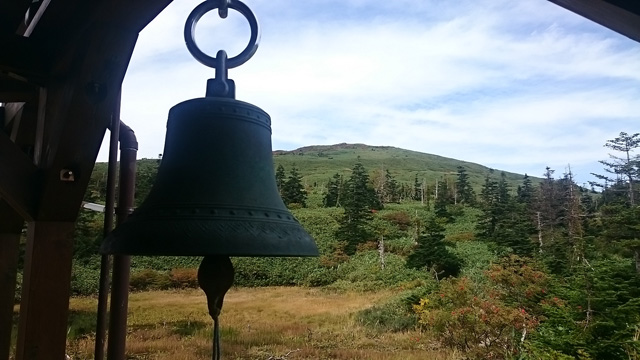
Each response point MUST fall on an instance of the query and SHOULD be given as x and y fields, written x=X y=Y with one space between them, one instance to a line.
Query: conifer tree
x=280 y=178
x=334 y=188
x=358 y=201
x=442 y=201
x=432 y=253
x=503 y=220
x=621 y=225
x=526 y=191
x=417 y=189
x=293 y=191
x=465 y=193
x=549 y=209
x=489 y=197
x=625 y=166
x=390 y=192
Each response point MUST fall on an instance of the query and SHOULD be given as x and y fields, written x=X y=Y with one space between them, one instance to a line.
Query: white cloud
x=502 y=83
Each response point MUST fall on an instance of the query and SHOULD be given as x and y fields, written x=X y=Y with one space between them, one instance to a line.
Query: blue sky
x=513 y=85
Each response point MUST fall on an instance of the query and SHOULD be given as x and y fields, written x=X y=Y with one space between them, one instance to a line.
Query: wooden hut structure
x=62 y=63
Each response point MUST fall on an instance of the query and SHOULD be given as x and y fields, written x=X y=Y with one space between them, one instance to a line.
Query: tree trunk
x=539 y=230
x=631 y=200
x=637 y=256
x=381 y=251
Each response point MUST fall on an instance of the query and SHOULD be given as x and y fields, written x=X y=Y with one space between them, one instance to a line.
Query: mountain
x=318 y=163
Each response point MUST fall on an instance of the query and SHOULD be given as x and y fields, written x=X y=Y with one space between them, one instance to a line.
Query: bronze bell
x=215 y=192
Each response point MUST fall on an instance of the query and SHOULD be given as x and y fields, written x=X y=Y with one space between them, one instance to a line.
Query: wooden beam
x=10 y=230
x=12 y=112
x=46 y=285
x=80 y=108
x=621 y=19
x=24 y=57
x=15 y=90
x=18 y=187
x=33 y=16
x=12 y=14
x=76 y=124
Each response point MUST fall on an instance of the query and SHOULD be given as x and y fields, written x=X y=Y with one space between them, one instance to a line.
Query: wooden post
x=10 y=229
x=45 y=291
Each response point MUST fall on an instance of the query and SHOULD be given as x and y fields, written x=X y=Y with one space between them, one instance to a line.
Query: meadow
x=256 y=323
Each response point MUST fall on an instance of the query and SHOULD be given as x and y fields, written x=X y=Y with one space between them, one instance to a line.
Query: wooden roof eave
x=621 y=16
x=82 y=78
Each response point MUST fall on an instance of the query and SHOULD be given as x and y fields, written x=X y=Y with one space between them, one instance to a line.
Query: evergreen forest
x=494 y=265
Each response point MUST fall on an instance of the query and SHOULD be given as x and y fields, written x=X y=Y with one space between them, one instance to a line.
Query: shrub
x=463 y=236
x=392 y=316
x=165 y=263
x=84 y=280
x=402 y=246
x=366 y=268
x=478 y=258
x=321 y=277
x=400 y=218
x=184 y=278
x=467 y=319
x=148 y=279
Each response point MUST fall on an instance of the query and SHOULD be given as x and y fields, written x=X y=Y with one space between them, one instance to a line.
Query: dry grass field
x=256 y=323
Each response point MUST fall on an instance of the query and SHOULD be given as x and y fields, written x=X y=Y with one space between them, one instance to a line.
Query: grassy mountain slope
x=318 y=163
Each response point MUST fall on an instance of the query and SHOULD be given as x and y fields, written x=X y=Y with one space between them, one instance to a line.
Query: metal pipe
x=121 y=263
x=105 y=261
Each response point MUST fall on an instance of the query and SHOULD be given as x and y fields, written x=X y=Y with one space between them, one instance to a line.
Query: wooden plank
x=15 y=90
x=10 y=229
x=34 y=15
x=76 y=124
x=40 y=120
x=12 y=112
x=46 y=283
x=17 y=188
x=25 y=57
x=619 y=19
x=11 y=14
x=23 y=128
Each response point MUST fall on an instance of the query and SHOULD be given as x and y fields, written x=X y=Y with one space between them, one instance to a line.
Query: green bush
x=397 y=314
x=321 y=276
x=365 y=267
x=392 y=316
x=477 y=258
x=261 y=271
x=85 y=280
x=401 y=246
x=165 y=263
x=399 y=218
x=148 y=279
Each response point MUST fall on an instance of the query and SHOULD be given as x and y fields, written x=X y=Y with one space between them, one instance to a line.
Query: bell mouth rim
x=193 y=236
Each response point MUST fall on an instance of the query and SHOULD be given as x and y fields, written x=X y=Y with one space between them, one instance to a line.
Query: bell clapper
x=215 y=277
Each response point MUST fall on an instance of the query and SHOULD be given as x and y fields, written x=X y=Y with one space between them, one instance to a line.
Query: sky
x=512 y=85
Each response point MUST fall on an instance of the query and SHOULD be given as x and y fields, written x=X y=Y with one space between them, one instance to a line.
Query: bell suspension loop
x=221 y=86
